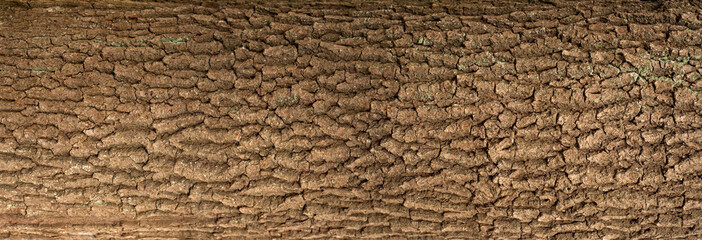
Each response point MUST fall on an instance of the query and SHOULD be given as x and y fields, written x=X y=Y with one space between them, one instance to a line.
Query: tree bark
x=299 y=119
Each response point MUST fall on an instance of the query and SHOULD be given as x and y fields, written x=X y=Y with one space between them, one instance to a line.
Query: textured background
x=380 y=120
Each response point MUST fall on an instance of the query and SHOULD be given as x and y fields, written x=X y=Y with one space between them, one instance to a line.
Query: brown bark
x=228 y=119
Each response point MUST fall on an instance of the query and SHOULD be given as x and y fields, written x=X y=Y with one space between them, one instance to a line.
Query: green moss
x=294 y=99
x=644 y=70
x=139 y=42
x=677 y=82
x=174 y=40
x=39 y=71
x=679 y=61
x=484 y=61
x=638 y=78
x=674 y=60
x=117 y=44
x=659 y=79
x=626 y=68
x=234 y=110
x=98 y=202
x=697 y=93
x=45 y=36
x=644 y=107
x=428 y=96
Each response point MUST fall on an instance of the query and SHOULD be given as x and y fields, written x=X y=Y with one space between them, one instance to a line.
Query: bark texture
x=552 y=119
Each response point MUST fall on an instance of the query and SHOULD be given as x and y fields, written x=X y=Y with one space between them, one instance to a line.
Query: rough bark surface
x=554 y=120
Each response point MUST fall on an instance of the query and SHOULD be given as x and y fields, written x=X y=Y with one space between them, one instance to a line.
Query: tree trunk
x=301 y=119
